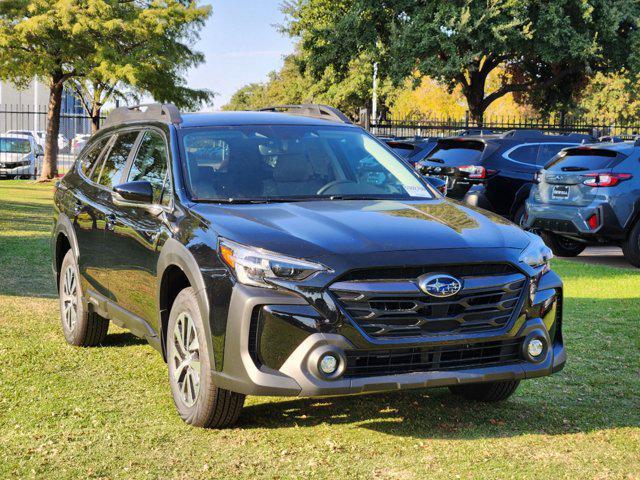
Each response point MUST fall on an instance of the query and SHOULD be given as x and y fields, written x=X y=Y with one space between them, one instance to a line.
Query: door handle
x=111 y=221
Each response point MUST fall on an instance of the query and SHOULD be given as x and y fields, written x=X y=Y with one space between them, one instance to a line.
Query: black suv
x=496 y=171
x=589 y=195
x=266 y=253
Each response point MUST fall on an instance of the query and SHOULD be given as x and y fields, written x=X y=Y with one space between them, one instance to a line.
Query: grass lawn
x=107 y=412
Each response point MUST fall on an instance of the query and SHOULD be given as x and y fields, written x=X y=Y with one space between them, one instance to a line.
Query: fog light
x=328 y=364
x=535 y=348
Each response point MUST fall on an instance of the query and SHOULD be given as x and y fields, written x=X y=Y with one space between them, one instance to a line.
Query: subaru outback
x=291 y=253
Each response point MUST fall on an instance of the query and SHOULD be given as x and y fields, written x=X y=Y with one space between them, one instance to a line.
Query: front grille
x=563 y=226
x=364 y=363
x=388 y=308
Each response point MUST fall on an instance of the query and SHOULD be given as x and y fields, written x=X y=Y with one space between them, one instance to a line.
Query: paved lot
x=611 y=256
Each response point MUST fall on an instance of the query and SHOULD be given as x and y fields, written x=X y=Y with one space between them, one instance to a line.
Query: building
x=26 y=109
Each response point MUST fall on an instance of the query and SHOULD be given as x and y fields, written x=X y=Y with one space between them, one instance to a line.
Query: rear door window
x=116 y=161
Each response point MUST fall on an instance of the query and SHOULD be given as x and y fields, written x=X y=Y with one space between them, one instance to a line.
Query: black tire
x=631 y=246
x=486 y=392
x=518 y=217
x=88 y=329
x=562 y=246
x=205 y=405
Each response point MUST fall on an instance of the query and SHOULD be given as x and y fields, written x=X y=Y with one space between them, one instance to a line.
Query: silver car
x=18 y=156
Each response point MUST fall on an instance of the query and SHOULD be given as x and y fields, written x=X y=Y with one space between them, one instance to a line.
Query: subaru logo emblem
x=440 y=286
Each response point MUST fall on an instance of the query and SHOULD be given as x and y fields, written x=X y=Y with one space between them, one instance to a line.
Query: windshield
x=14 y=145
x=288 y=162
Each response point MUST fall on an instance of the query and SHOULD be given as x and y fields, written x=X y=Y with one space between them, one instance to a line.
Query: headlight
x=537 y=254
x=254 y=266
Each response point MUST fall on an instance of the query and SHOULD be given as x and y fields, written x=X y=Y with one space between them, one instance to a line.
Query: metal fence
x=32 y=121
x=433 y=126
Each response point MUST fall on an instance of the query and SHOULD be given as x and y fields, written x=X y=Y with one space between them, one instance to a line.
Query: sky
x=241 y=45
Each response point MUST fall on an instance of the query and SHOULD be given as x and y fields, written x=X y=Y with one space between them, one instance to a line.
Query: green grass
x=107 y=412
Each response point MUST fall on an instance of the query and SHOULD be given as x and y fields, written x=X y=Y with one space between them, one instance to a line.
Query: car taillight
x=593 y=221
x=605 y=179
x=474 y=171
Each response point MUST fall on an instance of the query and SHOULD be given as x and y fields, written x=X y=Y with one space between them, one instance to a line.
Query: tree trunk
x=474 y=93
x=50 y=164
x=95 y=118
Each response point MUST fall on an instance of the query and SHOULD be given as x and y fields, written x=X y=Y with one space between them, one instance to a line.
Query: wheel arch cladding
x=520 y=198
x=63 y=240
x=178 y=269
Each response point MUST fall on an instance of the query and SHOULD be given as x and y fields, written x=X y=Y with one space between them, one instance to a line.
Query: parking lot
x=581 y=423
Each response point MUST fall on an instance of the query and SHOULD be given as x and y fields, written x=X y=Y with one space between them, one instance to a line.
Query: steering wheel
x=329 y=185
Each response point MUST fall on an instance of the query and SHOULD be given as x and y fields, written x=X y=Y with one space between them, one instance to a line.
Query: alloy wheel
x=70 y=298
x=186 y=359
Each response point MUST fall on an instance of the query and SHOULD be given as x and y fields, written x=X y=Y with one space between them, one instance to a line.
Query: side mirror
x=140 y=192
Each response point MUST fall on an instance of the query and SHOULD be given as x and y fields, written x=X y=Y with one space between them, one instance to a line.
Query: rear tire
x=519 y=216
x=199 y=402
x=631 y=246
x=486 y=392
x=562 y=246
x=81 y=327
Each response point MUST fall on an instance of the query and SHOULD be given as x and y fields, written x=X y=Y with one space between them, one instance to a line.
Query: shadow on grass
x=123 y=339
x=429 y=414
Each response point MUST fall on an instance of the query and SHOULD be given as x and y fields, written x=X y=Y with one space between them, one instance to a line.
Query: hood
x=320 y=228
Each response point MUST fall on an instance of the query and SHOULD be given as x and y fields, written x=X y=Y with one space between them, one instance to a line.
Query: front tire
x=80 y=327
x=562 y=246
x=631 y=246
x=198 y=401
x=486 y=392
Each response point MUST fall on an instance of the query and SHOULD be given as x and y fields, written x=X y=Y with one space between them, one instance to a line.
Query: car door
x=105 y=177
x=88 y=216
x=138 y=234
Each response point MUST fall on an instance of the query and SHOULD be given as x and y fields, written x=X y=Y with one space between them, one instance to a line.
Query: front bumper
x=294 y=372
x=572 y=221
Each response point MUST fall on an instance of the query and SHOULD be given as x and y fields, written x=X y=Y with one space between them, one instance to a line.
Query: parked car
x=266 y=253
x=414 y=150
x=18 y=156
x=589 y=195
x=78 y=142
x=496 y=172
x=29 y=133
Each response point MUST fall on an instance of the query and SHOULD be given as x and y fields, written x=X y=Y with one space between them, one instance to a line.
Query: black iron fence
x=434 y=126
x=18 y=121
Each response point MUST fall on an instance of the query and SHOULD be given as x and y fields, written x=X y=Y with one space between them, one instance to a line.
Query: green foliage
x=142 y=44
x=539 y=45
x=292 y=84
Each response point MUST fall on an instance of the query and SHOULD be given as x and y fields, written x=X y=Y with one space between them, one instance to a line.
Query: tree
x=460 y=43
x=104 y=41
x=293 y=84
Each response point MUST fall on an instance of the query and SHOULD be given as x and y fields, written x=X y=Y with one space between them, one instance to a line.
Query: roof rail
x=310 y=110
x=159 y=112
x=522 y=132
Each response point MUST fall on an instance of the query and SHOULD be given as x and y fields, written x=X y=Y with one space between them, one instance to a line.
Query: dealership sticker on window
x=416 y=191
